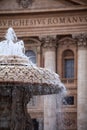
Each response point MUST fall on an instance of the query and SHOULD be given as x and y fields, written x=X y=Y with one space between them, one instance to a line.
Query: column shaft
x=82 y=84
x=50 y=100
x=82 y=90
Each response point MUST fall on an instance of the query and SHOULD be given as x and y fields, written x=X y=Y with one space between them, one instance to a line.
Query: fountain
x=19 y=81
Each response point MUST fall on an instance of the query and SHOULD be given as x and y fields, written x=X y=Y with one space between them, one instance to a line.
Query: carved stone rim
x=33 y=89
x=36 y=80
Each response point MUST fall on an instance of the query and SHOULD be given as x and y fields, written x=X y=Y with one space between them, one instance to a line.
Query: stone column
x=82 y=83
x=49 y=46
x=38 y=46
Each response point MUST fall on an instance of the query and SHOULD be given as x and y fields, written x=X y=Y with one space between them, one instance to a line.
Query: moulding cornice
x=33 y=41
x=22 y=11
x=68 y=41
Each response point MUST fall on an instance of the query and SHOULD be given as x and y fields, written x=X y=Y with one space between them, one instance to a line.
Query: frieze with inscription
x=44 y=21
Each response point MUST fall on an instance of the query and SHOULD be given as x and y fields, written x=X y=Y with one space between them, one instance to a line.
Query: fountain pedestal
x=13 y=111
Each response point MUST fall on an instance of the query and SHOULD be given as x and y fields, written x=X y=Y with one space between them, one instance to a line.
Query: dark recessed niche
x=68 y=100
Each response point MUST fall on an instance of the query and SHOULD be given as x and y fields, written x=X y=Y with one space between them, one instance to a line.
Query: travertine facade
x=50 y=28
x=82 y=81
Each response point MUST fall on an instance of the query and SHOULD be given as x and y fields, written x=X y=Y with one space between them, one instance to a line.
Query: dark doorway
x=35 y=124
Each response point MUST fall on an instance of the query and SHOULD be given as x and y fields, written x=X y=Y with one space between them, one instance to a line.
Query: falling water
x=60 y=111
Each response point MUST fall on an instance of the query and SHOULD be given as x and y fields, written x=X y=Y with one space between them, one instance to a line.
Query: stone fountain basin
x=37 y=81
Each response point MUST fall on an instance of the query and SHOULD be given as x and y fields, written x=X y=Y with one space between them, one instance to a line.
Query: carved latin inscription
x=44 y=21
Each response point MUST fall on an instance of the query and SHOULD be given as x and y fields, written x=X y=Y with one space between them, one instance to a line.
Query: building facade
x=55 y=36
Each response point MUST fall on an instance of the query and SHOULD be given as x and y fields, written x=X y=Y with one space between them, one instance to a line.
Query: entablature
x=43 y=24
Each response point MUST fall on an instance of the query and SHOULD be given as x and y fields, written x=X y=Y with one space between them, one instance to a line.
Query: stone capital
x=48 y=41
x=81 y=39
